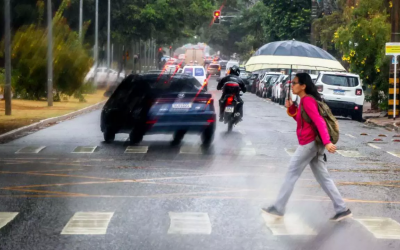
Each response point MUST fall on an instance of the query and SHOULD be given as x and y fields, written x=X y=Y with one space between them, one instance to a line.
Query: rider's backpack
x=330 y=120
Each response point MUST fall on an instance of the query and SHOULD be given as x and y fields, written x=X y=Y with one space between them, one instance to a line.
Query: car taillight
x=219 y=68
x=210 y=120
x=320 y=88
x=358 y=91
x=229 y=100
x=151 y=122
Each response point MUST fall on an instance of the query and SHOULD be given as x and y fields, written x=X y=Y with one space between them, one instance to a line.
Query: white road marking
x=6 y=217
x=290 y=151
x=30 y=150
x=246 y=152
x=84 y=149
x=381 y=228
x=349 y=153
x=248 y=142
x=88 y=223
x=373 y=146
x=349 y=135
x=136 y=150
x=190 y=150
x=290 y=224
x=397 y=154
x=189 y=223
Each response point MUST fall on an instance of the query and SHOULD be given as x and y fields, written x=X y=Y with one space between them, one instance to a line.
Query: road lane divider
x=88 y=223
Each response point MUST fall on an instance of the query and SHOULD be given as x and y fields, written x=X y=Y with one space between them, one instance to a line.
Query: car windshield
x=214 y=66
x=340 y=80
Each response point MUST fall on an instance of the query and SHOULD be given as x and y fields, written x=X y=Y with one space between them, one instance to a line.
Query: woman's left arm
x=311 y=108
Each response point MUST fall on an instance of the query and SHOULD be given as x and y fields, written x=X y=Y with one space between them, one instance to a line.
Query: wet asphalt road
x=165 y=197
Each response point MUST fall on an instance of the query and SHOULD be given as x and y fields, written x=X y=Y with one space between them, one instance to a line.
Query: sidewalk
x=379 y=118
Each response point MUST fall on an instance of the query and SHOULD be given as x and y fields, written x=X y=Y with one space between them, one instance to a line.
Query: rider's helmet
x=234 y=70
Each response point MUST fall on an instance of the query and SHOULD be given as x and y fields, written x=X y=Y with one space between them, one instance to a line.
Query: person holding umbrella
x=309 y=152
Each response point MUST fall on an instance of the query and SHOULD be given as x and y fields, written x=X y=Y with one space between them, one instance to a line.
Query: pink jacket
x=306 y=131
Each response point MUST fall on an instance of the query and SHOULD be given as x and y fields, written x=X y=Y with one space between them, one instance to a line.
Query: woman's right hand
x=288 y=103
x=331 y=148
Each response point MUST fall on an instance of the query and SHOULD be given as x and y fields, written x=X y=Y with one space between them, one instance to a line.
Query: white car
x=262 y=91
x=230 y=64
x=104 y=76
x=342 y=92
x=276 y=96
x=197 y=72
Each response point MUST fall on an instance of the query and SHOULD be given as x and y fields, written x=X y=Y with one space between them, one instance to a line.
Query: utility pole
x=7 y=48
x=80 y=18
x=394 y=106
x=108 y=34
x=49 y=55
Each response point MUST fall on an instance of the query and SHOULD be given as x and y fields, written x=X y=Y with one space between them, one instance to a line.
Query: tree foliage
x=29 y=50
x=362 y=41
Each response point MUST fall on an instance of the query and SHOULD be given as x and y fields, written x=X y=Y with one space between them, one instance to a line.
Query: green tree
x=362 y=41
x=29 y=49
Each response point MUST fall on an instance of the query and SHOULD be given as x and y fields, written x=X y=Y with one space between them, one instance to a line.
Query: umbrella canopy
x=293 y=54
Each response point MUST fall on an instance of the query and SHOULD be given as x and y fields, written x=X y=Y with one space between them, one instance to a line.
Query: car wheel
x=108 y=136
x=178 y=137
x=207 y=136
x=135 y=136
x=357 y=116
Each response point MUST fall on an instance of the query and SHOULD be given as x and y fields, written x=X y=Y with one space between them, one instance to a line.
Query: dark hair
x=311 y=89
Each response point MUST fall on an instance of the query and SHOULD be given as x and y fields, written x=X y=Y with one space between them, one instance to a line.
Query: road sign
x=392 y=49
x=394 y=60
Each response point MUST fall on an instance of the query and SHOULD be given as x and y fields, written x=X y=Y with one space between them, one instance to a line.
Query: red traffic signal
x=217 y=13
x=170 y=47
x=160 y=49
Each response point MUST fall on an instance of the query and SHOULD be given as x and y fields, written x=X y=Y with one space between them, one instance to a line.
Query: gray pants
x=304 y=155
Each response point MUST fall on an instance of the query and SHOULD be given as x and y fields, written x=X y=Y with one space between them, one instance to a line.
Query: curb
x=389 y=125
x=16 y=133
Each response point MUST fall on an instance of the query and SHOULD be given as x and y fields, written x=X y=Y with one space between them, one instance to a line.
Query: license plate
x=229 y=109
x=181 y=105
x=338 y=92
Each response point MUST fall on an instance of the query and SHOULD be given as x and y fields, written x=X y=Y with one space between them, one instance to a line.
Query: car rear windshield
x=338 y=80
x=198 y=72
x=188 y=71
x=215 y=66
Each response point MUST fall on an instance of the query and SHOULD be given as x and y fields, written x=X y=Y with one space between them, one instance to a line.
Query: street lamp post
x=80 y=18
x=49 y=55
x=7 y=48
x=108 y=34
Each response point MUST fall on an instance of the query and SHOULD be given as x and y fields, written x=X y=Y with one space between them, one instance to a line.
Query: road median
x=28 y=116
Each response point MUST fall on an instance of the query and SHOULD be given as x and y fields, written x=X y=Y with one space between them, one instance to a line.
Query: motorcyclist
x=228 y=89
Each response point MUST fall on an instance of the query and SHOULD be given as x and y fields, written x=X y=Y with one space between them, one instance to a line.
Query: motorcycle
x=231 y=112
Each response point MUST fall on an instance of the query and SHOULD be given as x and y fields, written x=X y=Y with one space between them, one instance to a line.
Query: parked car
x=263 y=81
x=260 y=88
x=214 y=69
x=279 y=88
x=197 y=72
x=103 y=76
x=342 y=92
x=245 y=75
x=153 y=104
x=252 y=81
x=256 y=84
x=223 y=63
x=268 y=86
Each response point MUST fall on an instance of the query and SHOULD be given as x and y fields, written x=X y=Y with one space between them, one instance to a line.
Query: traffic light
x=170 y=47
x=159 y=49
x=217 y=16
x=127 y=55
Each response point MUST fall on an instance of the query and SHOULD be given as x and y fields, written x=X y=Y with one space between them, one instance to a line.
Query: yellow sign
x=392 y=49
